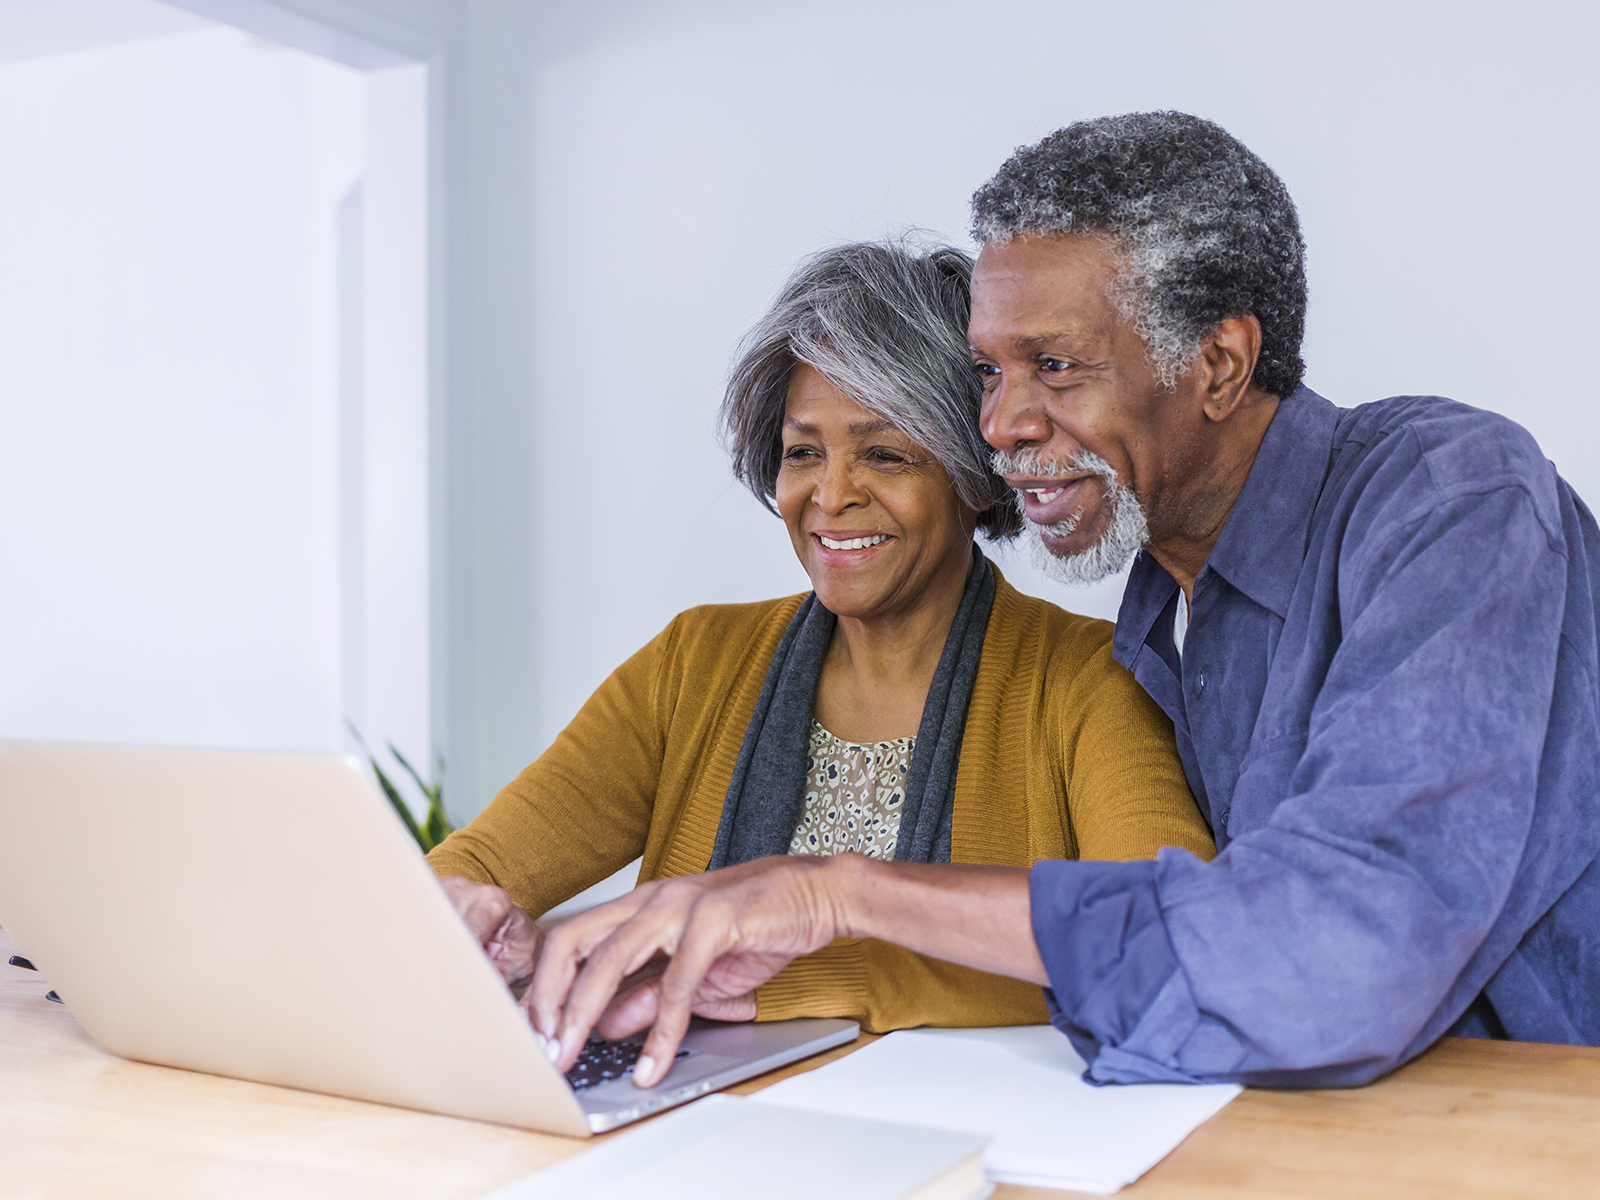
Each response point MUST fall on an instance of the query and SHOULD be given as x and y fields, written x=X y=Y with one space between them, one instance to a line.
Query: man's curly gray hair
x=886 y=324
x=1207 y=228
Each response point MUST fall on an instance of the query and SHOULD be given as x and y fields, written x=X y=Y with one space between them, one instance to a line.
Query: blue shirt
x=1388 y=706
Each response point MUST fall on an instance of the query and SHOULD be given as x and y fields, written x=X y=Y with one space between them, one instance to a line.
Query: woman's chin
x=848 y=598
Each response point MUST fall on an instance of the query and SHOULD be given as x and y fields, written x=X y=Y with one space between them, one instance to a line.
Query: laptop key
x=601 y=1061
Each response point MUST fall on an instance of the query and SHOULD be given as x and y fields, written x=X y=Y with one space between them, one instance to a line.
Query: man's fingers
x=559 y=958
x=633 y=1009
x=564 y=949
x=705 y=933
x=629 y=947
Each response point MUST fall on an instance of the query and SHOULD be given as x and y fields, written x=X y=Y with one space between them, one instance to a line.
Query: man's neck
x=1196 y=516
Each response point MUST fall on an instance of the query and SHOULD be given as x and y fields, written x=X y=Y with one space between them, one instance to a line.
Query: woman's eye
x=798 y=454
x=888 y=457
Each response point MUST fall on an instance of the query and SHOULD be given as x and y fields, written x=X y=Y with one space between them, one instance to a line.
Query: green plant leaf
x=433 y=790
x=399 y=804
x=437 y=827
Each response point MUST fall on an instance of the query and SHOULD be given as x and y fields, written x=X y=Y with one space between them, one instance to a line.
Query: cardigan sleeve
x=1127 y=796
x=582 y=810
x=885 y=987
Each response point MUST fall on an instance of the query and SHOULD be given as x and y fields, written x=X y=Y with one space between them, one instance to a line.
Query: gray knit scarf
x=767 y=793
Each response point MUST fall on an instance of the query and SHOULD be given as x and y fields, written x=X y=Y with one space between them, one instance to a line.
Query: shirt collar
x=1263 y=544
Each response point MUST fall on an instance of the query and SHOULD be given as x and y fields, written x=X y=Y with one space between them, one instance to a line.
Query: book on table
x=728 y=1148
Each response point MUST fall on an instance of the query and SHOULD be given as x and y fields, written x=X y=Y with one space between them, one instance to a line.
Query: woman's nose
x=1011 y=417
x=838 y=490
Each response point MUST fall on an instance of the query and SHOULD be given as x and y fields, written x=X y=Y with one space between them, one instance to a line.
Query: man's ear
x=1226 y=364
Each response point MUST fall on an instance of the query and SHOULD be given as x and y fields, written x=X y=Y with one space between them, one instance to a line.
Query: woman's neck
x=875 y=678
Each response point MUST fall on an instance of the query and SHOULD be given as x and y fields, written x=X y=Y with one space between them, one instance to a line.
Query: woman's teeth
x=853 y=543
x=1045 y=495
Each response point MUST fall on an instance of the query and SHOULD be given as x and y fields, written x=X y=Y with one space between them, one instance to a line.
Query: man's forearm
x=975 y=916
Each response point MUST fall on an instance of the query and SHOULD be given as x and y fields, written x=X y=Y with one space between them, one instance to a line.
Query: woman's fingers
x=481 y=906
x=507 y=934
x=632 y=1010
x=514 y=949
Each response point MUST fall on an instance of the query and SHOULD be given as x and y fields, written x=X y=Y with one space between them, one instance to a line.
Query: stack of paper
x=725 y=1148
x=1021 y=1086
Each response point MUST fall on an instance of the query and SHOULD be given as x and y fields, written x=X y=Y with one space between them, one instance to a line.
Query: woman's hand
x=694 y=945
x=507 y=934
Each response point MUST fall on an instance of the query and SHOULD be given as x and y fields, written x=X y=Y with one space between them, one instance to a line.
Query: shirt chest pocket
x=1263 y=781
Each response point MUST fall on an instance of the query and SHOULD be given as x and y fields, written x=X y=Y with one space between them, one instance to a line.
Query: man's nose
x=1011 y=416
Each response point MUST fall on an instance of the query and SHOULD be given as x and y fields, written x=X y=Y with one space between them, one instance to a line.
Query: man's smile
x=1051 y=501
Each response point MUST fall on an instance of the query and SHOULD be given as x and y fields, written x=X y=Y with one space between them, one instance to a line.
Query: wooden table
x=1468 y=1120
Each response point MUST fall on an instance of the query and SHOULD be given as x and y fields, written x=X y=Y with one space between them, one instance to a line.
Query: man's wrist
x=847 y=881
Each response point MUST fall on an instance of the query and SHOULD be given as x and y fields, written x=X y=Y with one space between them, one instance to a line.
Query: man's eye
x=1054 y=364
x=987 y=370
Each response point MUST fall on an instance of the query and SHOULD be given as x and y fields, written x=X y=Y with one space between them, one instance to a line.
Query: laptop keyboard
x=602 y=1061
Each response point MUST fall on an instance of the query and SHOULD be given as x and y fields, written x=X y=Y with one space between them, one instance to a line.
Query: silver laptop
x=266 y=917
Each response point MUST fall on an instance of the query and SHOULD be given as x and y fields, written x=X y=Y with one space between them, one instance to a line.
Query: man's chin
x=1075 y=558
x=1065 y=545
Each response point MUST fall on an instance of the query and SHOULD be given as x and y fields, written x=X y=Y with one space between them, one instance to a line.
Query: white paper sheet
x=1023 y=1087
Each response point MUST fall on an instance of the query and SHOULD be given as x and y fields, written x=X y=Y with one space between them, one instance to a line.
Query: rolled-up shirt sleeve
x=1326 y=943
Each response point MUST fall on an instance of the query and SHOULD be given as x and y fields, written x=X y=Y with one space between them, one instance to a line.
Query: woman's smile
x=848 y=547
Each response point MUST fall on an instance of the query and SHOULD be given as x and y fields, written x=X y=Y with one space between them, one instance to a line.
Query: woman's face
x=872 y=515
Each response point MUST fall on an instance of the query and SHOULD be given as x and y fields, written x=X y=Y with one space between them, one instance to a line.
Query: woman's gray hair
x=886 y=324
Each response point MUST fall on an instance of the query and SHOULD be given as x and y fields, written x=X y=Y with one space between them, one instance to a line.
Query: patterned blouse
x=854 y=796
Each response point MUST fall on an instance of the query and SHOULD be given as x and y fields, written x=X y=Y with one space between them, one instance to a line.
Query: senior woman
x=912 y=706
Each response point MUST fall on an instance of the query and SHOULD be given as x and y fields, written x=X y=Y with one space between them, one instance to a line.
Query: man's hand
x=721 y=935
x=507 y=934
x=702 y=944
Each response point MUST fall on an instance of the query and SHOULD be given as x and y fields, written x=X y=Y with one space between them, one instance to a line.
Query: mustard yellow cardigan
x=1064 y=756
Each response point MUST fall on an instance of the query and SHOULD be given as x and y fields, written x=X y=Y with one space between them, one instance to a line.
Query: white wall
x=168 y=472
x=616 y=189
x=214 y=387
x=657 y=169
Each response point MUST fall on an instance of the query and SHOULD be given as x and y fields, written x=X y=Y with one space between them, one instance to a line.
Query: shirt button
x=1200 y=683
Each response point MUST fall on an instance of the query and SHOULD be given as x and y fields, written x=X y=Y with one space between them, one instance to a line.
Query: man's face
x=1070 y=397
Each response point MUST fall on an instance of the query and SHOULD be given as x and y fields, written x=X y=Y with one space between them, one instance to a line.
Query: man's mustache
x=1036 y=466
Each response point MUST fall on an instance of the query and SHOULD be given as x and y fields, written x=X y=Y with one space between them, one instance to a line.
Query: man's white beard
x=1124 y=536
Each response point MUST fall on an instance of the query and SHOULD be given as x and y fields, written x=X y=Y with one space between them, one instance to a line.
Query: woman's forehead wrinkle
x=873 y=425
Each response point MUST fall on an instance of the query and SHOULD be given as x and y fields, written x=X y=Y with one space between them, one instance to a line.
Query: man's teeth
x=1045 y=495
x=854 y=543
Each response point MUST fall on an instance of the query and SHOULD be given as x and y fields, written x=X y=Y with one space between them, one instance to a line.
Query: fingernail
x=643 y=1070
x=550 y=1046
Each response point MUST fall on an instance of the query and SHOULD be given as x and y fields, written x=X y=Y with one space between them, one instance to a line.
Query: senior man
x=1374 y=630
